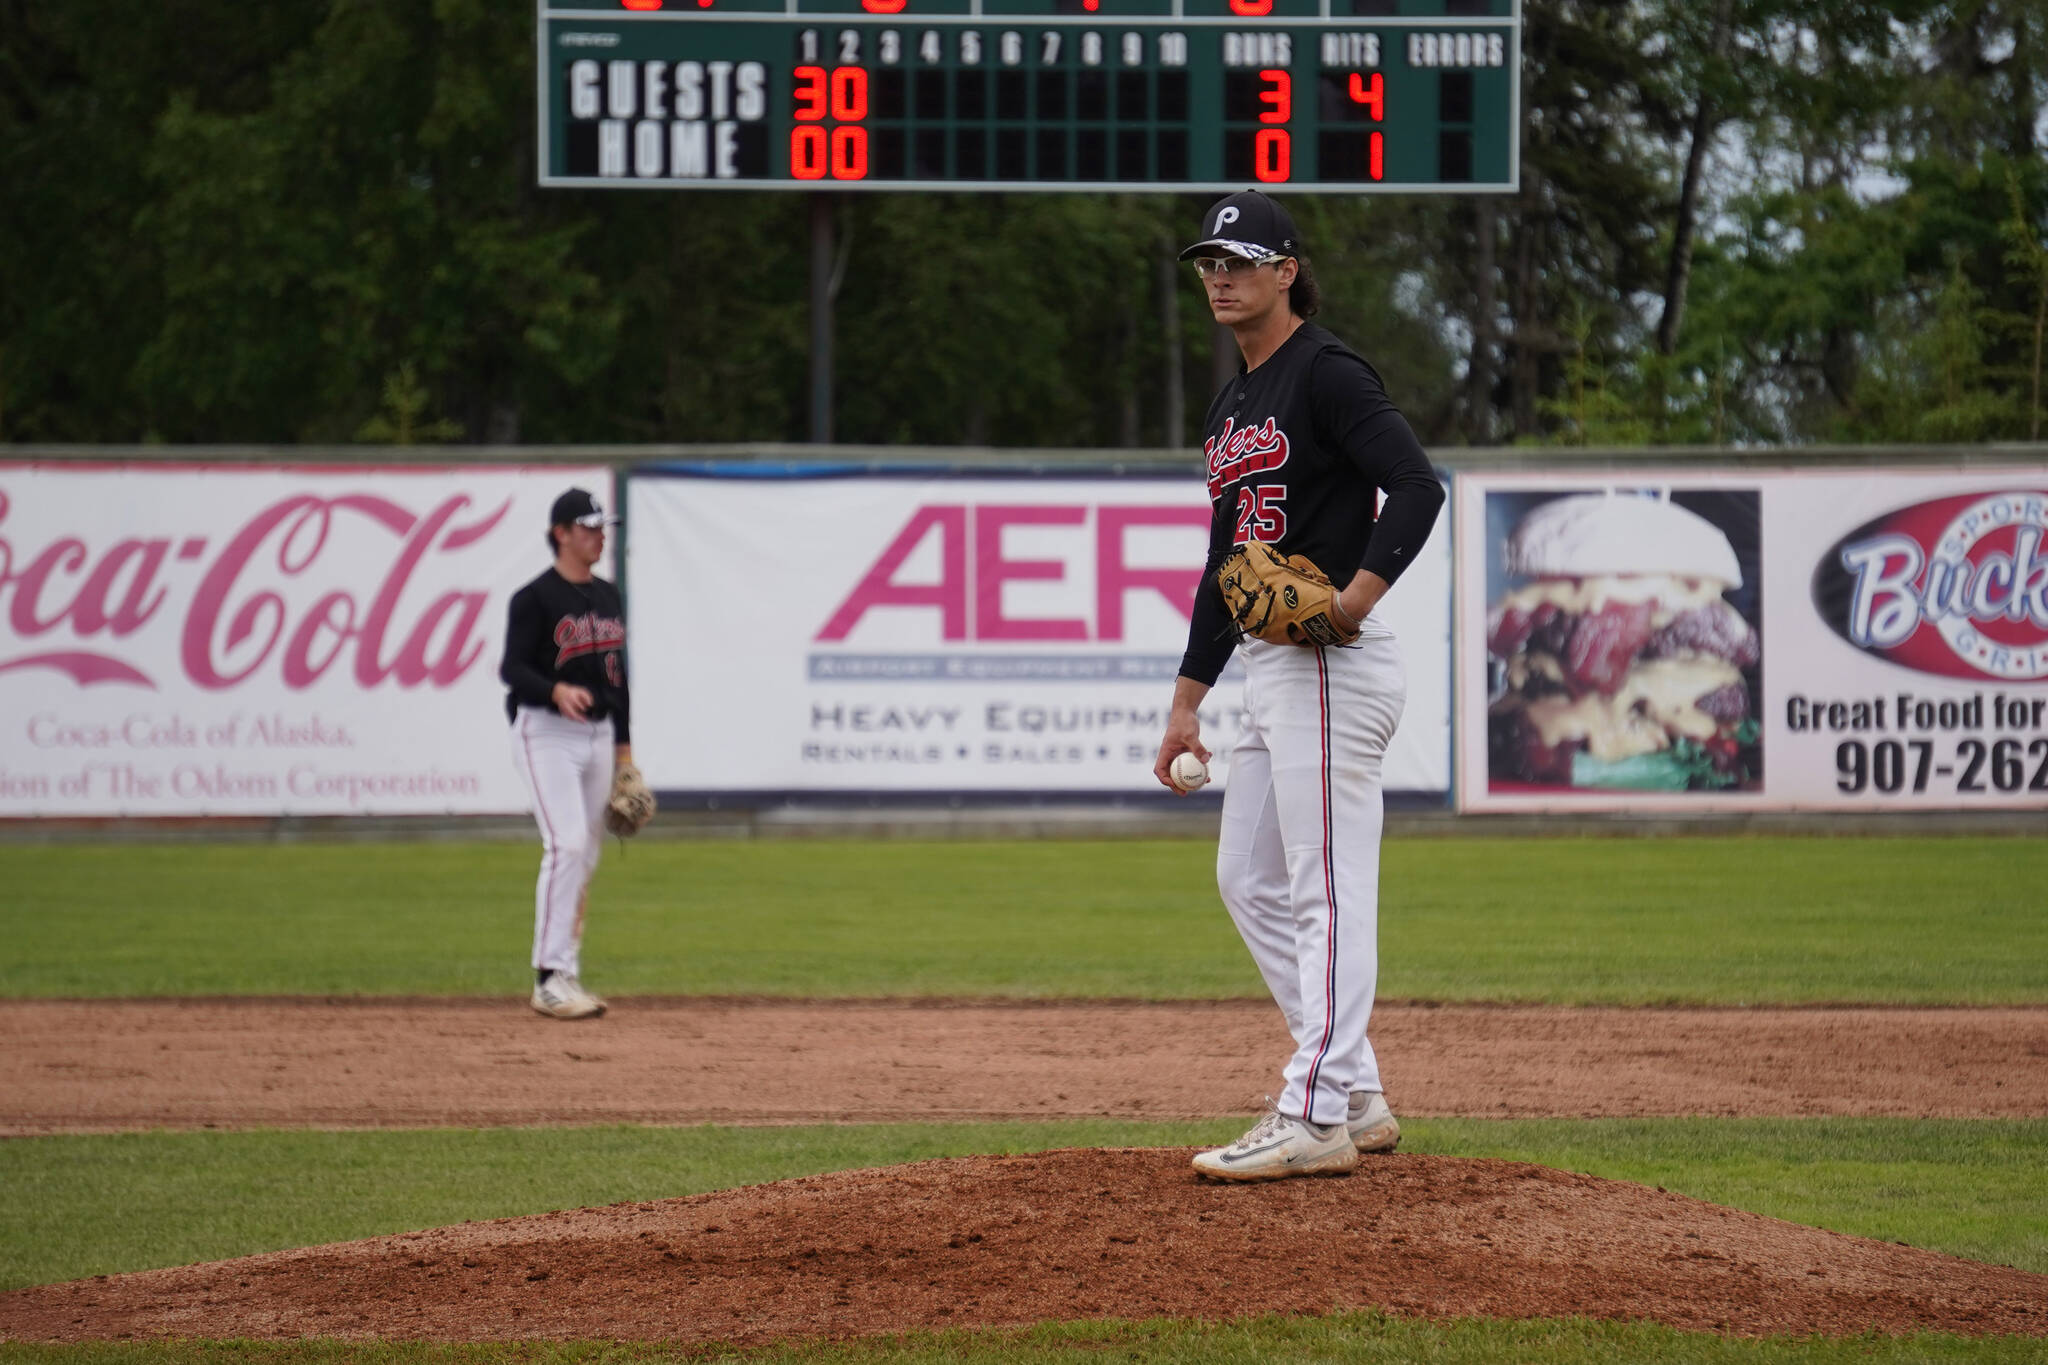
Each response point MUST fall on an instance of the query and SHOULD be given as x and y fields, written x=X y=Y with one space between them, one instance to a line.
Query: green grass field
x=1746 y=920
x=1365 y=1338
x=1723 y=921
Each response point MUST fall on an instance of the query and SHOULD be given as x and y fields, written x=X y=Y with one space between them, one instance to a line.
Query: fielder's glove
x=1282 y=599
x=631 y=804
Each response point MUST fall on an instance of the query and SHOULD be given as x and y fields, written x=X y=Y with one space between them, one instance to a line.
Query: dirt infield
x=1013 y=1240
x=986 y=1241
x=107 y=1066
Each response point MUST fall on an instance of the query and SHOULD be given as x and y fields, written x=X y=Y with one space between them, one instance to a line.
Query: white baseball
x=1188 y=772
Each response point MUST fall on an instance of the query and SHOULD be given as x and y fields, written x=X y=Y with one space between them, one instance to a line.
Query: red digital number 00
x=843 y=153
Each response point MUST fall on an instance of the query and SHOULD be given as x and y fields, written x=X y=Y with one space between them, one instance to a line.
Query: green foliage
x=1598 y=406
x=405 y=404
x=1005 y=320
x=369 y=216
x=1557 y=920
x=1887 y=314
x=282 y=207
x=81 y=87
x=2026 y=236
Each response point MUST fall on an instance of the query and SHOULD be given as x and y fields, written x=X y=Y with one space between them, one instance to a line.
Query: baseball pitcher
x=1299 y=445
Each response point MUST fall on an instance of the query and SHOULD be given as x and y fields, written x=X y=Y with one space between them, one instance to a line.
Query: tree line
x=1738 y=221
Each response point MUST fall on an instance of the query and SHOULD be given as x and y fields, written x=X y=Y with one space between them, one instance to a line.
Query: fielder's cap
x=1247 y=224
x=578 y=506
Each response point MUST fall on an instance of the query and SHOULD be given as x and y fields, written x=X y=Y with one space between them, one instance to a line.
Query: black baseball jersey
x=1297 y=451
x=563 y=632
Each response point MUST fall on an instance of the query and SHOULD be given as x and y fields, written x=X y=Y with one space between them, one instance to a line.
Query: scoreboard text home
x=1169 y=95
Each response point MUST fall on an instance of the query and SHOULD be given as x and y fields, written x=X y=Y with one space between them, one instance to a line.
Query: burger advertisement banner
x=1703 y=640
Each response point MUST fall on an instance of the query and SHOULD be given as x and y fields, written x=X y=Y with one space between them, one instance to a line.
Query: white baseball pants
x=567 y=766
x=1298 y=861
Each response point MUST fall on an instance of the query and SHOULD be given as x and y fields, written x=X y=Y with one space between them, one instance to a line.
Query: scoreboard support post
x=1169 y=327
x=823 y=250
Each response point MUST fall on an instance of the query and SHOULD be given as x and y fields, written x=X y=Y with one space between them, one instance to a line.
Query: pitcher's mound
x=1124 y=1233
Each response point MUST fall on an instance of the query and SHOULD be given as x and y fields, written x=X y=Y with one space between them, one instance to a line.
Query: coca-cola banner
x=180 y=641
x=947 y=634
x=1698 y=640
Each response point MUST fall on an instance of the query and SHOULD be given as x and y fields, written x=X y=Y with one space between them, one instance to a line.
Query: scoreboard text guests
x=1169 y=95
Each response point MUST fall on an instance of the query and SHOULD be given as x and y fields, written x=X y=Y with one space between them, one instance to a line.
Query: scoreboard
x=1352 y=96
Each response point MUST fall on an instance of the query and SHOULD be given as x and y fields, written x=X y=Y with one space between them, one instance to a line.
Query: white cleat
x=1370 y=1123
x=562 y=996
x=1278 y=1147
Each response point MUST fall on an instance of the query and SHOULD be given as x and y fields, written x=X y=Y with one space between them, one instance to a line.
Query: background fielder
x=565 y=671
x=1298 y=446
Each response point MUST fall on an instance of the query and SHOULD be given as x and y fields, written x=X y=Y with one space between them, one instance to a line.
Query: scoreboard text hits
x=1169 y=95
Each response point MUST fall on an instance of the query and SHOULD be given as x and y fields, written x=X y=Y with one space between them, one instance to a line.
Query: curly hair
x=1303 y=296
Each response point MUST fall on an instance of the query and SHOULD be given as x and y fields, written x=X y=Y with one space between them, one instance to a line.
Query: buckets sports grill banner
x=229 y=640
x=934 y=633
x=1767 y=640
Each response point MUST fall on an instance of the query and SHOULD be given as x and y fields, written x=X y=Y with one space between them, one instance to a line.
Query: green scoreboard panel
x=1352 y=96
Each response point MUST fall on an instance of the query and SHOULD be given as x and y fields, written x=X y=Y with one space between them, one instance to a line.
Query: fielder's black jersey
x=1297 y=451
x=563 y=632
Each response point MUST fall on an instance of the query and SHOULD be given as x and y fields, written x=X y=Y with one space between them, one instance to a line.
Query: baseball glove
x=1282 y=599
x=631 y=804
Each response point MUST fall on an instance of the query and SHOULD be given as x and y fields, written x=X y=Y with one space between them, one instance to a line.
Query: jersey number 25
x=1260 y=514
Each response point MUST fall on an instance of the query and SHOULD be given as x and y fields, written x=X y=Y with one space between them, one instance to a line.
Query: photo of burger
x=1616 y=657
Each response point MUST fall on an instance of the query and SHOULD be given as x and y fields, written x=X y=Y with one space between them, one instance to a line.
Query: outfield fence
x=311 y=634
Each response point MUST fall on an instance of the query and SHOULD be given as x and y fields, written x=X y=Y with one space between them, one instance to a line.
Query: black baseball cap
x=579 y=507
x=1246 y=224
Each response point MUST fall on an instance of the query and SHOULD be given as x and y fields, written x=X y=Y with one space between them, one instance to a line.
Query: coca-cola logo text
x=1954 y=586
x=69 y=605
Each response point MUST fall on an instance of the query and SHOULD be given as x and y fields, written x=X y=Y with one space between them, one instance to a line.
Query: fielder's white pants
x=1298 y=861
x=567 y=766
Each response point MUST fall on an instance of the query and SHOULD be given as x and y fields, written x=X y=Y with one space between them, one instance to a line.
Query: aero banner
x=946 y=634
x=1672 y=640
x=225 y=640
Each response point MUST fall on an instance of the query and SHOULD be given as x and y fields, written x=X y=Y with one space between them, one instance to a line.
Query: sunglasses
x=1205 y=266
